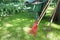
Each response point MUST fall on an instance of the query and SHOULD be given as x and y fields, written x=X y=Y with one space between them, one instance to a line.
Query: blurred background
x=17 y=14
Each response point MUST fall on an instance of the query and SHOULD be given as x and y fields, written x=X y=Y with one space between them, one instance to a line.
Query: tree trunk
x=57 y=15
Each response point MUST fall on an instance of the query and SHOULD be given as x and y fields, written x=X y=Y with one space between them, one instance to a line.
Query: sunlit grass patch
x=52 y=36
x=7 y=25
x=56 y=26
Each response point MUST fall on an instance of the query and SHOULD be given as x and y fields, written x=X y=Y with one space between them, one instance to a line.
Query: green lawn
x=11 y=27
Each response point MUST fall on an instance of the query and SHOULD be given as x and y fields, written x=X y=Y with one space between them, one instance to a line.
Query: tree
x=57 y=15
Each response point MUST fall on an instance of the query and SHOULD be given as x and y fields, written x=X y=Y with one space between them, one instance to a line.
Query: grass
x=11 y=27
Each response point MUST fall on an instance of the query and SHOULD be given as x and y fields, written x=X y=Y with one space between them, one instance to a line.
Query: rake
x=36 y=23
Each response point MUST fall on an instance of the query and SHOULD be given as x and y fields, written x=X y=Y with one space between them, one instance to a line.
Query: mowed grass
x=11 y=27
